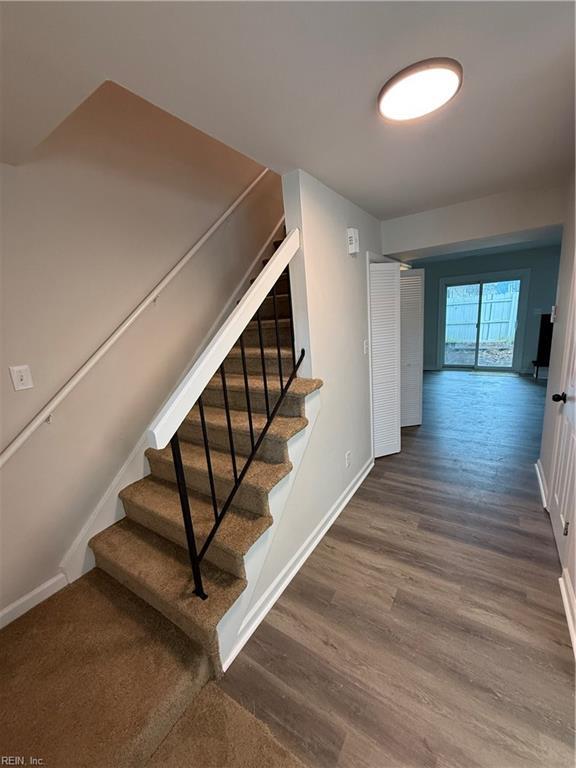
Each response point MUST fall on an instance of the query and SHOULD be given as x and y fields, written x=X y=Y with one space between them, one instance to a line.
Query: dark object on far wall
x=544 y=344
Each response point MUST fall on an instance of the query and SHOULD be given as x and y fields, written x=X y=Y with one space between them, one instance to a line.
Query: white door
x=562 y=495
x=385 y=357
x=411 y=345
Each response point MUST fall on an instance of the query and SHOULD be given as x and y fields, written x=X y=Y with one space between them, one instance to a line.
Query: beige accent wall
x=106 y=206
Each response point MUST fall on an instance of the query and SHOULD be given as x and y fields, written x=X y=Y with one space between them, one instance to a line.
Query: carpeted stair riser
x=271 y=450
x=149 y=518
x=252 y=337
x=249 y=497
x=292 y=405
x=282 y=307
x=233 y=362
x=156 y=505
x=158 y=571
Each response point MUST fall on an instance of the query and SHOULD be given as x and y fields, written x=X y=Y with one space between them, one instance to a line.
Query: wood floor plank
x=427 y=630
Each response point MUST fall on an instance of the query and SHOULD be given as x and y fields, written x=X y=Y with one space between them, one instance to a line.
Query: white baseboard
x=259 y=610
x=569 y=600
x=38 y=595
x=542 y=483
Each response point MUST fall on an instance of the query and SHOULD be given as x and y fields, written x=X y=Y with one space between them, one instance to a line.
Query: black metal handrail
x=255 y=443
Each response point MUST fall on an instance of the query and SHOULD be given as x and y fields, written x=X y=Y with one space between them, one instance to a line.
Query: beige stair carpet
x=216 y=732
x=95 y=678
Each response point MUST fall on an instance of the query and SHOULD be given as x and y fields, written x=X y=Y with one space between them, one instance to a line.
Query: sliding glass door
x=461 y=338
x=480 y=327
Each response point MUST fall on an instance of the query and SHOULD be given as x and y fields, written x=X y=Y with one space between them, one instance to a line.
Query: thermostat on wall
x=353 y=241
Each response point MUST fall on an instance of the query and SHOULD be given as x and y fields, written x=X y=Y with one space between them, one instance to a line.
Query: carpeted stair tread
x=155 y=504
x=300 y=387
x=159 y=571
x=261 y=476
x=281 y=428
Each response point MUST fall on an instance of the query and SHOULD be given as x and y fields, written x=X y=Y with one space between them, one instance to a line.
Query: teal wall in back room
x=543 y=266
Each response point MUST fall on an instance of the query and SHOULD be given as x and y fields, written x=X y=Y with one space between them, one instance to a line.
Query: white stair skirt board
x=27 y=602
x=385 y=356
x=569 y=600
x=411 y=346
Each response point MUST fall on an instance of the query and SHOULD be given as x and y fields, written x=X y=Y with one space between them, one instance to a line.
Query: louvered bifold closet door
x=385 y=356
x=411 y=345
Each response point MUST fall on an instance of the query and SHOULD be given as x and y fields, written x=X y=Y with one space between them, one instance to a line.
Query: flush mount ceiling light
x=420 y=89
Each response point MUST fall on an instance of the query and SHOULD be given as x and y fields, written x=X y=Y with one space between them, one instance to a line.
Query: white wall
x=101 y=212
x=484 y=219
x=335 y=286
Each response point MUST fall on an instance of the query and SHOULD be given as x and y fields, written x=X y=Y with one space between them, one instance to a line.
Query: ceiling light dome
x=420 y=89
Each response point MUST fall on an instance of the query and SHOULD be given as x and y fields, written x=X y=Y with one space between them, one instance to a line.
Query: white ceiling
x=293 y=85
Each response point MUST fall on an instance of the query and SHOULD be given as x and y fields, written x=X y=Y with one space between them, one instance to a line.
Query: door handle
x=559 y=398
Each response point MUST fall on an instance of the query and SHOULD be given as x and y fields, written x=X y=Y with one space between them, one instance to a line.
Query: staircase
x=148 y=550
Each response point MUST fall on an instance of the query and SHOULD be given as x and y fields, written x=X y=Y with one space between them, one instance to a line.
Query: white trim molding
x=260 y=609
x=569 y=600
x=38 y=595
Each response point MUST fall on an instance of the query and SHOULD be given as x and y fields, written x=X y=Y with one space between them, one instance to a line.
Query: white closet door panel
x=411 y=345
x=385 y=354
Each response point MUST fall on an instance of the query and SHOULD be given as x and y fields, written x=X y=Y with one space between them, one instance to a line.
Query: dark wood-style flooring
x=427 y=627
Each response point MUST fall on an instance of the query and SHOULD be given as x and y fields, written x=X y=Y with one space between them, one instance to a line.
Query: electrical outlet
x=21 y=377
x=348 y=459
x=365 y=346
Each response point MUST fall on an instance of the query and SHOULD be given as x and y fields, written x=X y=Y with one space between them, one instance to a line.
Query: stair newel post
x=188 y=526
x=278 y=347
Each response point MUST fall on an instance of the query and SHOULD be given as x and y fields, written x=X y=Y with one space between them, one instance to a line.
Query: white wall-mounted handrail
x=187 y=393
x=47 y=411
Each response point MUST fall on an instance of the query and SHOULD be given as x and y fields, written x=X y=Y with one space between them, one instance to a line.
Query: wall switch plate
x=553 y=313
x=365 y=346
x=21 y=377
x=348 y=459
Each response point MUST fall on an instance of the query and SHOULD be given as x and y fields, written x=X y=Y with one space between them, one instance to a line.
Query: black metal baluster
x=291 y=315
x=229 y=422
x=278 y=349
x=246 y=466
x=262 y=357
x=208 y=458
x=247 y=389
x=185 y=506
